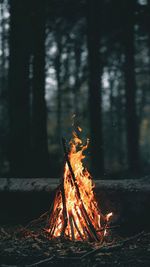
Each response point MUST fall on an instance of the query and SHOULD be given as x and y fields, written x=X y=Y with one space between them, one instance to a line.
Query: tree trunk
x=130 y=87
x=19 y=88
x=39 y=114
x=95 y=71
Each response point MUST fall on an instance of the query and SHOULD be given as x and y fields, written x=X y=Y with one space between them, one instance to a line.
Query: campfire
x=75 y=213
x=76 y=216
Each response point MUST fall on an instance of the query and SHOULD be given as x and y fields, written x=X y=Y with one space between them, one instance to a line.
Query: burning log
x=91 y=229
x=75 y=213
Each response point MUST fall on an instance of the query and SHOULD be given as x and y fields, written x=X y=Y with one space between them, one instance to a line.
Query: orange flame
x=76 y=224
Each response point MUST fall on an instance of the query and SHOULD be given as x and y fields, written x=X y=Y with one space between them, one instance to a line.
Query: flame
x=76 y=215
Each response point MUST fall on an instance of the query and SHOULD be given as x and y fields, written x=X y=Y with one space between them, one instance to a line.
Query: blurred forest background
x=85 y=57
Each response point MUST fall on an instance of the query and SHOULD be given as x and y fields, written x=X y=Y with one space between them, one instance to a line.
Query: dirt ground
x=20 y=247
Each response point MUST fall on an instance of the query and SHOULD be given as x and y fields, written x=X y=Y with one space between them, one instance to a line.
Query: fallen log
x=20 y=200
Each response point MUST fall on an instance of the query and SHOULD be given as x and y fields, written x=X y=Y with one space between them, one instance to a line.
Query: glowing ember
x=75 y=213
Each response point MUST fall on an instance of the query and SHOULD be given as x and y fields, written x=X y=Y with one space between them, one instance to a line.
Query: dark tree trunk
x=119 y=118
x=130 y=87
x=112 y=120
x=39 y=113
x=19 y=88
x=95 y=71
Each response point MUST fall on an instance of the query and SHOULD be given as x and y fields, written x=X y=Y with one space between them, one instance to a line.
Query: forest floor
x=20 y=247
x=26 y=247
